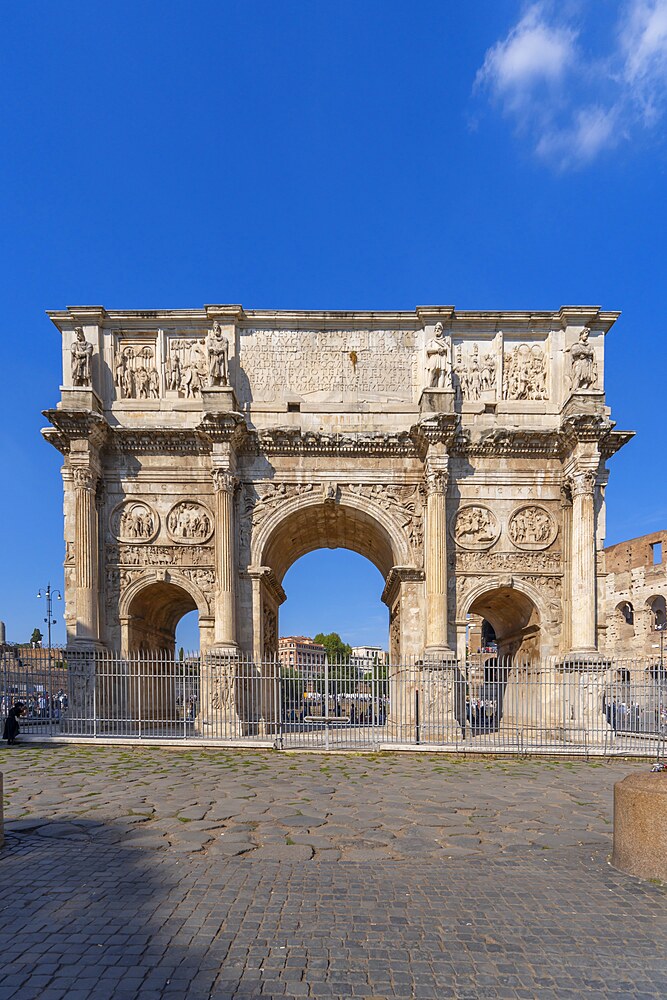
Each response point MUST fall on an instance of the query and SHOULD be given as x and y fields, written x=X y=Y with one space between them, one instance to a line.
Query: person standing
x=11 y=729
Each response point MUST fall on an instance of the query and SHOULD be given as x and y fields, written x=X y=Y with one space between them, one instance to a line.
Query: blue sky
x=347 y=154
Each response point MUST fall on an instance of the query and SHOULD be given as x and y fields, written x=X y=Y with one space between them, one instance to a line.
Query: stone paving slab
x=372 y=876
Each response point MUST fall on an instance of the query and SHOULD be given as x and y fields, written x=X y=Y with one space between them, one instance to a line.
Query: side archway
x=151 y=608
x=514 y=611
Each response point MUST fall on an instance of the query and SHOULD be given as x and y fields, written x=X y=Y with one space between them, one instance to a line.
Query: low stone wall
x=640 y=825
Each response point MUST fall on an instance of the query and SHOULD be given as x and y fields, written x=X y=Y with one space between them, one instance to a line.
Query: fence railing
x=594 y=706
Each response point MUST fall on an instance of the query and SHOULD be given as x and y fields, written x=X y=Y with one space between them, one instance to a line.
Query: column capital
x=224 y=481
x=582 y=483
x=84 y=478
x=437 y=481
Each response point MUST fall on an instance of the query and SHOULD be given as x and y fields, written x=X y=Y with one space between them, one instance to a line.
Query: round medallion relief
x=134 y=521
x=189 y=521
x=532 y=527
x=475 y=527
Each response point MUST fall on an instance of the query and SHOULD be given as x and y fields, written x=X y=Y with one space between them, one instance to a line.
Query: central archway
x=306 y=523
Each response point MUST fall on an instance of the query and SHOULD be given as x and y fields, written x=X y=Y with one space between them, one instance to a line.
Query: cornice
x=614 y=441
x=224 y=427
x=59 y=441
x=124 y=440
x=437 y=428
x=510 y=443
x=396 y=576
x=77 y=424
x=292 y=441
x=418 y=317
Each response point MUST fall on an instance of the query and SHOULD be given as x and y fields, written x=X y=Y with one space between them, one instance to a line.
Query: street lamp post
x=49 y=595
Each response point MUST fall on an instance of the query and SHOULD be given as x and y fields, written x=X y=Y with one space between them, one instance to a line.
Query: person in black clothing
x=11 y=729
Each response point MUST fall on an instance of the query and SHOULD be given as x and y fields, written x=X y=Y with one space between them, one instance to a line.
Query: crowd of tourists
x=38 y=705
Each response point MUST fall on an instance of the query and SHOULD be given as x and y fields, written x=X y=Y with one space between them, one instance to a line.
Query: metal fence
x=603 y=707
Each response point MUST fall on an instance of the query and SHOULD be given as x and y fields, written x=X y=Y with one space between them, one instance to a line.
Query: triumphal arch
x=463 y=453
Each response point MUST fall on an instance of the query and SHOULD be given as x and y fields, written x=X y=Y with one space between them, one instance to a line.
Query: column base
x=584 y=659
x=439 y=656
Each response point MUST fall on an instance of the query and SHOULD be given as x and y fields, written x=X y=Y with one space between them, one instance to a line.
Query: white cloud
x=574 y=104
x=593 y=130
x=643 y=37
x=533 y=53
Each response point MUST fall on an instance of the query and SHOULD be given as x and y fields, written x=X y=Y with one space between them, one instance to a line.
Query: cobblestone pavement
x=155 y=873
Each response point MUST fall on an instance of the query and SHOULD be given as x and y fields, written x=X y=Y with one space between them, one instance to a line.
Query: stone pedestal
x=221 y=697
x=436 y=401
x=640 y=825
x=427 y=703
x=578 y=714
x=79 y=399
x=219 y=399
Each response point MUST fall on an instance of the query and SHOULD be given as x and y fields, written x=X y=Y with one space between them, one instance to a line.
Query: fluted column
x=436 y=561
x=582 y=554
x=224 y=484
x=86 y=555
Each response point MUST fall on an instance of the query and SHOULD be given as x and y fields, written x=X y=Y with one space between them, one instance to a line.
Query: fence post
x=417 y=722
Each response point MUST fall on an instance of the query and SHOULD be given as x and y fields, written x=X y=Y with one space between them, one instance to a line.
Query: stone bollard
x=640 y=825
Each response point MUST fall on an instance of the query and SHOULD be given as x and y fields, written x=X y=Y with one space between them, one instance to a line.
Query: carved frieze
x=186 y=366
x=159 y=555
x=135 y=370
x=474 y=373
x=189 y=522
x=475 y=526
x=134 y=521
x=507 y=562
x=525 y=372
x=381 y=362
x=531 y=527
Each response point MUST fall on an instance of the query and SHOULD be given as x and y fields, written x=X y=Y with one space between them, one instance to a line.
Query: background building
x=298 y=652
x=635 y=589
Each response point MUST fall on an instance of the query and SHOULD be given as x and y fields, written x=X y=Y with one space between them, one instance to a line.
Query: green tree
x=337 y=650
x=36 y=637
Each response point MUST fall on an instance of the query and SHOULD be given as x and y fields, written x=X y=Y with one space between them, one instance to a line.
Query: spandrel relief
x=532 y=527
x=475 y=527
x=134 y=521
x=190 y=522
x=186 y=367
x=525 y=372
x=135 y=371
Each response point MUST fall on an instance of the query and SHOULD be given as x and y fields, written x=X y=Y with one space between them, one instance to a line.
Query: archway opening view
x=333 y=644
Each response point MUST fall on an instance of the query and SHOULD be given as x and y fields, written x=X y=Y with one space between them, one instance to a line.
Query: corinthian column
x=582 y=554
x=85 y=555
x=224 y=484
x=436 y=563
